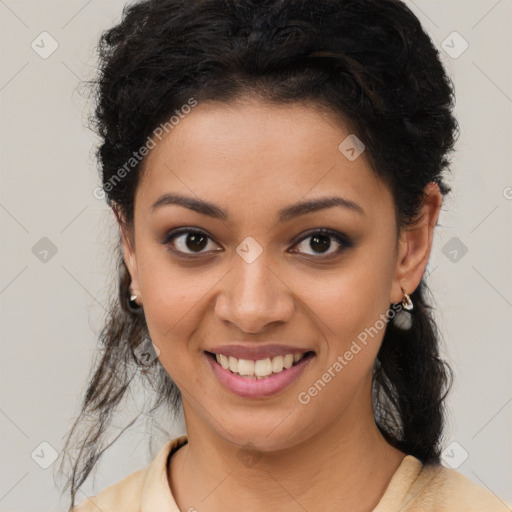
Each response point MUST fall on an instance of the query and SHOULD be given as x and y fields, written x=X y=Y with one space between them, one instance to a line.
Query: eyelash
x=343 y=240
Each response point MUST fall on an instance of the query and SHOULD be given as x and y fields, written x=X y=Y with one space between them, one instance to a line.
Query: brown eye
x=321 y=241
x=188 y=241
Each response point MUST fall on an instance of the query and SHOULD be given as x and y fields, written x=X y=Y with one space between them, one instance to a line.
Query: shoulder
x=123 y=495
x=443 y=489
x=129 y=493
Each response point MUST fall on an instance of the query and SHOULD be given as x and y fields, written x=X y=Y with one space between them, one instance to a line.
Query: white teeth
x=223 y=360
x=233 y=364
x=277 y=364
x=260 y=368
x=245 y=367
x=263 y=367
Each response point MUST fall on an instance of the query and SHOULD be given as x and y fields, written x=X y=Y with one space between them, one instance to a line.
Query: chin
x=270 y=437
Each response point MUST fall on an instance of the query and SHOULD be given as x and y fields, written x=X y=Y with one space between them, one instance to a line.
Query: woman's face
x=258 y=277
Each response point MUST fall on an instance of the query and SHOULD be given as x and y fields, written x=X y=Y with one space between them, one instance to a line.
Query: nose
x=253 y=296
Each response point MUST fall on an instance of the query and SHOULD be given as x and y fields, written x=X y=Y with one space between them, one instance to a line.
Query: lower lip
x=259 y=388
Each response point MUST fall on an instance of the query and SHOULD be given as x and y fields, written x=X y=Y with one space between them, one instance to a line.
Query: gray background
x=52 y=304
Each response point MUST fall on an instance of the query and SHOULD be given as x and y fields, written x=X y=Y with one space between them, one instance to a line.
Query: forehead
x=259 y=156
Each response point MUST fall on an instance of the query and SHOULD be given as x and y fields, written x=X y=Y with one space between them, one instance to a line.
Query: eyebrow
x=284 y=215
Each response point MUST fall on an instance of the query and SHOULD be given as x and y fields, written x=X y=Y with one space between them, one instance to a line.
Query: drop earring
x=406 y=301
x=403 y=317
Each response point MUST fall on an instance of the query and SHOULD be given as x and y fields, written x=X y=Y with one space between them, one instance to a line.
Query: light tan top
x=413 y=488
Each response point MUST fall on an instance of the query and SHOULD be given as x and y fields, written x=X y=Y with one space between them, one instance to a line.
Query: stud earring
x=132 y=304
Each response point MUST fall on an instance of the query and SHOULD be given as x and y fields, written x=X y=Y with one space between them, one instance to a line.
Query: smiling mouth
x=261 y=368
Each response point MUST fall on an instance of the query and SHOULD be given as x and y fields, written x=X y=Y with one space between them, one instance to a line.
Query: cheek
x=350 y=308
x=170 y=308
x=168 y=294
x=351 y=298
x=175 y=300
x=353 y=327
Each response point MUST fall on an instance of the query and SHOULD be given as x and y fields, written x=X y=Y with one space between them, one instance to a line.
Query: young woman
x=276 y=172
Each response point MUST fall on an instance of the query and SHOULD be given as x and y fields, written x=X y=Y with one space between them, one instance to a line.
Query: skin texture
x=251 y=159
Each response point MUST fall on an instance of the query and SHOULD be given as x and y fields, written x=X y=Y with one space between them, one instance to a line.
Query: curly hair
x=368 y=61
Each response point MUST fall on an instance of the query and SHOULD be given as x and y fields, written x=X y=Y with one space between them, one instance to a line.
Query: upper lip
x=257 y=352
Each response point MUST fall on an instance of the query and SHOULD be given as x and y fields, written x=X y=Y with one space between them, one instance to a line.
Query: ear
x=415 y=244
x=129 y=256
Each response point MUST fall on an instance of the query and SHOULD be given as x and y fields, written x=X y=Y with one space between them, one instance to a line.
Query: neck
x=341 y=468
